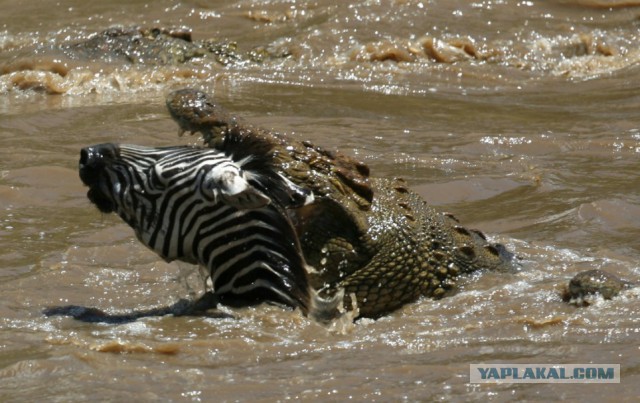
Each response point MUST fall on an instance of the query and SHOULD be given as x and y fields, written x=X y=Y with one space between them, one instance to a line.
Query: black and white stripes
x=200 y=206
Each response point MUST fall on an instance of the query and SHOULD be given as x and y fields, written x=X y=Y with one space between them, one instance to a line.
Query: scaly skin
x=137 y=46
x=405 y=249
x=326 y=173
x=122 y=46
x=372 y=237
x=159 y=46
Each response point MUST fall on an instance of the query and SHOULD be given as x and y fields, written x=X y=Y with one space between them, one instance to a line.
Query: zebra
x=200 y=206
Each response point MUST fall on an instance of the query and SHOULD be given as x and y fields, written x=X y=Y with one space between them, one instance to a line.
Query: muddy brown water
x=520 y=117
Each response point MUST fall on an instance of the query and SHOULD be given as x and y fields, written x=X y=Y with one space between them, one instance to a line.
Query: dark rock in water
x=592 y=282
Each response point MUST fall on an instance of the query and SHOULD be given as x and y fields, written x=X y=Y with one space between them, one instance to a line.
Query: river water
x=520 y=117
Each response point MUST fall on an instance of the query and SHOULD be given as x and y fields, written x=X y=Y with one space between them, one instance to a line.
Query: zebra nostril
x=90 y=156
x=93 y=160
x=85 y=155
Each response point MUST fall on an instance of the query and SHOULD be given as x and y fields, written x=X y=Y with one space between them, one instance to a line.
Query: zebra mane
x=255 y=151
x=255 y=156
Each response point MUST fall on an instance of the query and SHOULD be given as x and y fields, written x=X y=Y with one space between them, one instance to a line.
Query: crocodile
x=136 y=45
x=133 y=46
x=156 y=46
x=373 y=238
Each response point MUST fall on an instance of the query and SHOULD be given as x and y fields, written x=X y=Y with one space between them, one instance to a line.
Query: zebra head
x=200 y=206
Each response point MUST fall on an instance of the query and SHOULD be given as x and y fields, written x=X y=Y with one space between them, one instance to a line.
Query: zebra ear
x=226 y=184
x=294 y=196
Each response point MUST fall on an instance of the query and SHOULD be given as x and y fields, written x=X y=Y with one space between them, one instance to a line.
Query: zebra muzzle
x=93 y=161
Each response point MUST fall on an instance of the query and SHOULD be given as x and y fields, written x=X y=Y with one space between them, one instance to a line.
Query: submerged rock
x=591 y=282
